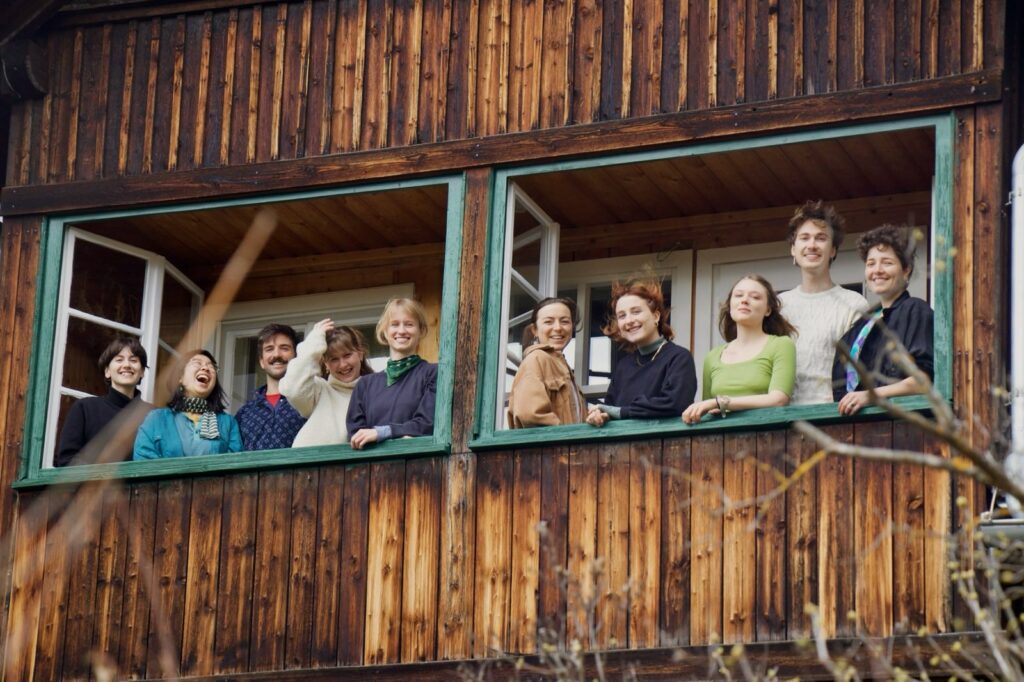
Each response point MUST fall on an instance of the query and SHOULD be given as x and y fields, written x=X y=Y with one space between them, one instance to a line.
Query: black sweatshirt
x=648 y=389
x=86 y=418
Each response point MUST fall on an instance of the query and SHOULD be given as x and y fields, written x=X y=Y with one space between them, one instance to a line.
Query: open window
x=700 y=216
x=340 y=253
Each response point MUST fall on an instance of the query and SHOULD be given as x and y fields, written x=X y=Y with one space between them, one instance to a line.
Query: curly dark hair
x=650 y=291
x=530 y=333
x=272 y=330
x=217 y=399
x=895 y=237
x=821 y=215
x=776 y=324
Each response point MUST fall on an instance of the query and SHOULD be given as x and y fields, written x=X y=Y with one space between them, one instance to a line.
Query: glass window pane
x=526 y=259
x=107 y=283
x=519 y=301
x=178 y=308
x=85 y=342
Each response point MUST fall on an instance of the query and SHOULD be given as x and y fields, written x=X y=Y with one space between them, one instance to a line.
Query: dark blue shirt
x=648 y=388
x=912 y=321
x=266 y=427
x=407 y=406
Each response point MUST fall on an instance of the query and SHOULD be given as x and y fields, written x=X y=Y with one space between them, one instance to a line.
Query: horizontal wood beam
x=790 y=658
x=870 y=104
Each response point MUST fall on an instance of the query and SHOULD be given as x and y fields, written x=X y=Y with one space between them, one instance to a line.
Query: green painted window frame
x=486 y=436
x=48 y=276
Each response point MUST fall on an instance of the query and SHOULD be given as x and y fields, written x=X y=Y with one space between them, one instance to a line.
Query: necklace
x=653 y=355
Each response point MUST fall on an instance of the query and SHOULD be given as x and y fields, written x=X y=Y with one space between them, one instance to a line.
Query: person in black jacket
x=888 y=264
x=656 y=378
x=123 y=364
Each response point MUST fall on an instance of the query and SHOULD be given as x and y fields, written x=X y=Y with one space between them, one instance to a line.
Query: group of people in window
x=780 y=348
x=318 y=392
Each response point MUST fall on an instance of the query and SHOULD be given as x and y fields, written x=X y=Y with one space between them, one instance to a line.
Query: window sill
x=638 y=429
x=234 y=462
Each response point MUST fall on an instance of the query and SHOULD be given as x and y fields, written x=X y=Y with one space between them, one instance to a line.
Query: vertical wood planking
x=493 y=554
x=525 y=555
x=24 y=617
x=627 y=57
x=587 y=67
x=62 y=70
x=696 y=57
x=706 y=540
x=583 y=465
x=302 y=560
x=879 y=48
x=52 y=588
x=277 y=103
x=675 y=543
x=327 y=597
x=213 y=146
x=556 y=62
x=81 y=606
x=74 y=105
x=674 y=54
x=756 y=57
x=301 y=105
x=255 y=44
x=457 y=571
x=200 y=97
x=110 y=574
x=909 y=533
x=849 y=66
x=122 y=82
x=802 y=537
x=739 y=550
x=938 y=525
x=354 y=541
x=790 y=48
x=403 y=109
x=133 y=648
x=235 y=67
x=235 y=575
x=42 y=165
x=647 y=41
x=270 y=576
x=771 y=539
x=616 y=586
x=711 y=30
x=320 y=75
x=963 y=270
x=930 y=38
x=872 y=509
x=174 y=143
x=420 y=593
x=461 y=59
x=907 y=42
x=374 y=132
x=817 y=37
x=435 y=48
x=201 y=593
x=349 y=75
x=386 y=524
x=836 y=556
x=554 y=518
x=491 y=69
x=612 y=63
x=730 y=42
x=645 y=520
x=170 y=574
x=92 y=108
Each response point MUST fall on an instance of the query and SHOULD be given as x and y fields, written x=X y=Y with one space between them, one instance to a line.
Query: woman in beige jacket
x=544 y=392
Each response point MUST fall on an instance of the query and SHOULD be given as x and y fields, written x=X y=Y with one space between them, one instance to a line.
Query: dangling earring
x=794 y=260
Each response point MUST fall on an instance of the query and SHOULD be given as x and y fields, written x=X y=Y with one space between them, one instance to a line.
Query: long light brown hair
x=774 y=323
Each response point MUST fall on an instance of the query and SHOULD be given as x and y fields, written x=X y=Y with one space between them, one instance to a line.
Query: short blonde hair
x=408 y=306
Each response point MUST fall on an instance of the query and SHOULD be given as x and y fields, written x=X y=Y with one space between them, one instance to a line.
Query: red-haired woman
x=757 y=366
x=657 y=377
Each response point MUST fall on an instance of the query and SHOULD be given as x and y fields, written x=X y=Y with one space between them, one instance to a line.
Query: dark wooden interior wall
x=228 y=87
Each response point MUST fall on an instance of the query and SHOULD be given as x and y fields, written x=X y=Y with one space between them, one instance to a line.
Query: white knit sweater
x=821 y=319
x=324 y=402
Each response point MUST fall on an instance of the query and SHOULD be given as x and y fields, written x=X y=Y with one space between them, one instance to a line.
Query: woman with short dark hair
x=888 y=264
x=123 y=363
x=195 y=421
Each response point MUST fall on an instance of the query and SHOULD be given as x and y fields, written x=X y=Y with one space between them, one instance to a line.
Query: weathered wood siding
x=231 y=86
x=346 y=564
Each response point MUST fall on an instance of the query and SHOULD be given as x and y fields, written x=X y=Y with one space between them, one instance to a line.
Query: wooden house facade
x=405 y=146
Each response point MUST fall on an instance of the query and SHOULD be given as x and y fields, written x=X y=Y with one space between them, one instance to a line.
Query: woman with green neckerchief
x=398 y=402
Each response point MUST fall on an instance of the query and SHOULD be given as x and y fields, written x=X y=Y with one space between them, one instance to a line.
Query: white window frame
x=246 y=318
x=157 y=267
x=547 y=232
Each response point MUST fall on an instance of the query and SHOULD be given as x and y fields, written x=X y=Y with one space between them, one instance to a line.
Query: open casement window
x=531 y=275
x=697 y=217
x=110 y=289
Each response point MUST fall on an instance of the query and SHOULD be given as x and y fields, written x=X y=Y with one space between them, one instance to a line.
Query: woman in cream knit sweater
x=324 y=401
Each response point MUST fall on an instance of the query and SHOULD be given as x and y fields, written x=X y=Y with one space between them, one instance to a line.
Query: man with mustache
x=267 y=420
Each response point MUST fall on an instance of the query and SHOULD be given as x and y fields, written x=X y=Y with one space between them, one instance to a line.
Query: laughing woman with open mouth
x=194 y=421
